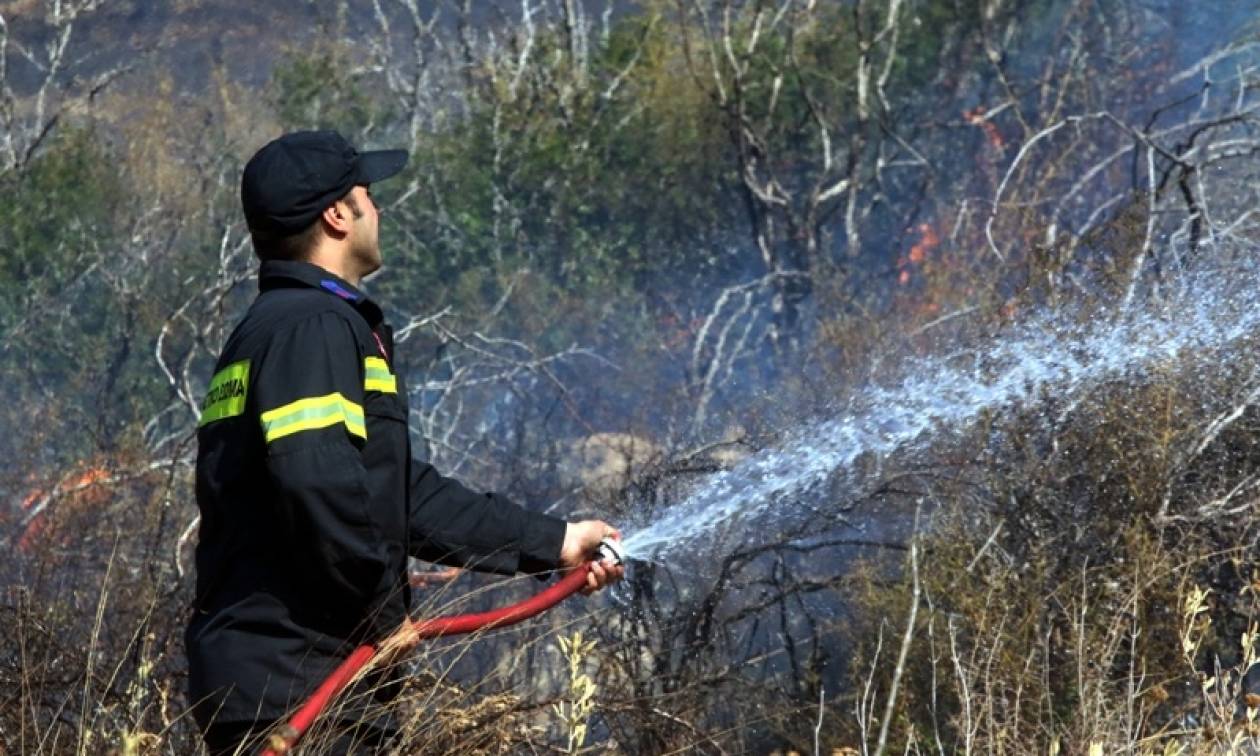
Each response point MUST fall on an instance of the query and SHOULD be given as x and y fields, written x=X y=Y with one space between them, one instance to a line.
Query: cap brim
x=380 y=164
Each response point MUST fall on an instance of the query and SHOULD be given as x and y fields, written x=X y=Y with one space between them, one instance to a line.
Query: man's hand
x=581 y=539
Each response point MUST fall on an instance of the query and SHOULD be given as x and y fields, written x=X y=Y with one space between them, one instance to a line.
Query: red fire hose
x=287 y=735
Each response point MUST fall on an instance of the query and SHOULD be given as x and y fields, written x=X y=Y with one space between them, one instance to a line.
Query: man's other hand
x=581 y=539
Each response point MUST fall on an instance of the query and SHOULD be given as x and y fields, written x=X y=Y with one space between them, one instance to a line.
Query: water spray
x=939 y=396
x=285 y=737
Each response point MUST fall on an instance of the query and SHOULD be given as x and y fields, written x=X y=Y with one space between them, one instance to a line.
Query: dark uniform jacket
x=311 y=502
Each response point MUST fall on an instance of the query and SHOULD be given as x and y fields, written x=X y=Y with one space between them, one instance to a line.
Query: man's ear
x=336 y=220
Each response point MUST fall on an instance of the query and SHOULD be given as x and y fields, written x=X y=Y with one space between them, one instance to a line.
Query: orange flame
x=72 y=484
x=976 y=117
x=928 y=241
x=79 y=489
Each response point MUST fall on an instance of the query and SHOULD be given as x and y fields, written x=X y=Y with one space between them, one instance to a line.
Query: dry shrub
x=1057 y=565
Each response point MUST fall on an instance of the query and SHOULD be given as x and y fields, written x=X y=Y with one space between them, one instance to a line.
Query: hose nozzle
x=610 y=550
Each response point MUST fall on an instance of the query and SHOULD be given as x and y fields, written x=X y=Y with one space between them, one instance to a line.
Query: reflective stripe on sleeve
x=226 y=396
x=313 y=413
x=376 y=376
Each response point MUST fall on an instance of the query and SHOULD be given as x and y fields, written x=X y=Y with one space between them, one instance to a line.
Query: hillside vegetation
x=635 y=246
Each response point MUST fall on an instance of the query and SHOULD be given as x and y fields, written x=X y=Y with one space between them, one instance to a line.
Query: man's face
x=365 y=246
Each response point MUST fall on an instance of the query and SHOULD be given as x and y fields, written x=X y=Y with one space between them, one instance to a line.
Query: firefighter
x=310 y=500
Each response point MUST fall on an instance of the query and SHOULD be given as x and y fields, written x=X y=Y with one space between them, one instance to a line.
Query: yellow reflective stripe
x=226 y=396
x=313 y=413
x=376 y=376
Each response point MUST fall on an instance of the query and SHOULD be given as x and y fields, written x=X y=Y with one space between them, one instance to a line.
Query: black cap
x=290 y=181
